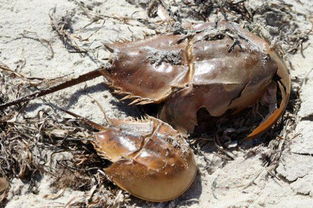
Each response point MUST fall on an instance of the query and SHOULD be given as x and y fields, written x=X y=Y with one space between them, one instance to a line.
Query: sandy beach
x=53 y=164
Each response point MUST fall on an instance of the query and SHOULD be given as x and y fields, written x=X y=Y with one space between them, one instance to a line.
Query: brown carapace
x=217 y=67
x=220 y=67
x=151 y=160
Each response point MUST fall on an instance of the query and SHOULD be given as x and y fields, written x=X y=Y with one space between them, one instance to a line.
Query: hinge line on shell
x=189 y=54
x=143 y=143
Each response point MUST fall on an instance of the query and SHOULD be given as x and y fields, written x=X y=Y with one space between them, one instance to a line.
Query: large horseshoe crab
x=220 y=67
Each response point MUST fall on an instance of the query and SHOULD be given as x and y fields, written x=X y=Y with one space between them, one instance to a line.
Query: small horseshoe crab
x=220 y=67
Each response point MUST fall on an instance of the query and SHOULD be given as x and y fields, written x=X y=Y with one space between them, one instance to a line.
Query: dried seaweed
x=64 y=29
x=276 y=22
x=48 y=144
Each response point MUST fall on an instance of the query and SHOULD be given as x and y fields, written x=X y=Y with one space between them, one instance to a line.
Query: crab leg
x=82 y=78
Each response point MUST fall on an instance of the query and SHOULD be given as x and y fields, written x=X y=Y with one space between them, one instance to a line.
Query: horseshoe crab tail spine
x=82 y=78
x=85 y=120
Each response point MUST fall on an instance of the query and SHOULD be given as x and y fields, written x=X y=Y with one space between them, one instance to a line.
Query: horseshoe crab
x=220 y=67
x=148 y=157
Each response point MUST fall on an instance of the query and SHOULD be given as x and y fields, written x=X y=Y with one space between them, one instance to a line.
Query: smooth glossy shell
x=218 y=68
x=150 y=159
